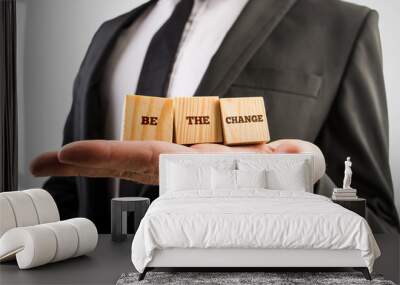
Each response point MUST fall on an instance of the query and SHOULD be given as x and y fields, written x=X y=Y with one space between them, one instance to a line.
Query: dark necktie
x=160 y=56
x=155 y=74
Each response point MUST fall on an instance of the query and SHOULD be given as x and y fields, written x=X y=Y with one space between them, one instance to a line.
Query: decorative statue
x=347 y=174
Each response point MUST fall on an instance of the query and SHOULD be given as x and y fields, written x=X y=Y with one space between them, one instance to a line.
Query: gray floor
x=110 y=260
x=103 y=266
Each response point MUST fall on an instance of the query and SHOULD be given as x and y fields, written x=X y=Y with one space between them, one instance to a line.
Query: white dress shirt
x=208 y=24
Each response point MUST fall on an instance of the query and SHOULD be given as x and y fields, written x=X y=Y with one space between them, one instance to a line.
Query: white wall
x=53 y=38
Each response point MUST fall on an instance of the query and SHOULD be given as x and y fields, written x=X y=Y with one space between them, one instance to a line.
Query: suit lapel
x=104 y=41
x=257 y=21
x=91 y=118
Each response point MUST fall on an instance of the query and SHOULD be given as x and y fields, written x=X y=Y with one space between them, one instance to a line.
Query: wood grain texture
x=244 y=120
x=147 y=118
x=197 y=120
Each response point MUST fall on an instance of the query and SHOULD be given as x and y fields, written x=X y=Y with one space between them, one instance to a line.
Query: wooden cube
x=197 y=120
x=147 y=118
x=244 y=120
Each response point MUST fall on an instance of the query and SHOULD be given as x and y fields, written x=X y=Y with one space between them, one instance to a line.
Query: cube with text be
x=197 y=120
x=147 y=118
x=244 y=120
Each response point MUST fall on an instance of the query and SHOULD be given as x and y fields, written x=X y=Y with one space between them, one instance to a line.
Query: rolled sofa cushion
x=45 y=205
x=7 y=218
x=87 y=235
x=26 y=208
x=40 y=244
x=23 y=208
x=32 y=246
x=67 y=237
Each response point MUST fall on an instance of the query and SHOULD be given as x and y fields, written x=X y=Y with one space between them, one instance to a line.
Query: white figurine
x=346 y=192
x=347 y=174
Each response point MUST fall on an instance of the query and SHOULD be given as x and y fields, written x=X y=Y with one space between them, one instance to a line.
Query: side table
x=120 y=207
x=357 y=205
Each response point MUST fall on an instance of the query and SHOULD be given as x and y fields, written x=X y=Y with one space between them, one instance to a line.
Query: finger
x=210 y=148
x=217 y=148
x=293 y=146
x=45 y=163
x=287 y=146
x=136 y=156
x=48 y=164
x=256 y=148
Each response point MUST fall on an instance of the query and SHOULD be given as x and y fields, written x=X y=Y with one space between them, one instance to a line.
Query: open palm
x=138 y=160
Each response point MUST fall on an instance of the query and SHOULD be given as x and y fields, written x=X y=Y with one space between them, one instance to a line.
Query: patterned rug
x=268 y=278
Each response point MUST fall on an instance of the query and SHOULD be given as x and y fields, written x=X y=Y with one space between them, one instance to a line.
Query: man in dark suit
x=318 y=65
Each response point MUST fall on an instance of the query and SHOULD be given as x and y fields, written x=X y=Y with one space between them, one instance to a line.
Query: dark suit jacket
x=318 y=65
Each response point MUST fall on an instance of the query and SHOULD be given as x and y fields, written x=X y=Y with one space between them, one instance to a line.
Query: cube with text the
x=244 y=120
x=147 y=118
x=197 y=120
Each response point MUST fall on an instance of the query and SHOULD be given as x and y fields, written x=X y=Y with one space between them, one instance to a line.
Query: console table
x=110 y=259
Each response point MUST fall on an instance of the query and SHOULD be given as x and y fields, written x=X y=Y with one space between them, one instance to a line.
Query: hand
x=138 y=160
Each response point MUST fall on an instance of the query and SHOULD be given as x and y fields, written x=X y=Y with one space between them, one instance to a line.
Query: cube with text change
x=197 y=120
x=244 y=120
x=147 y=118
